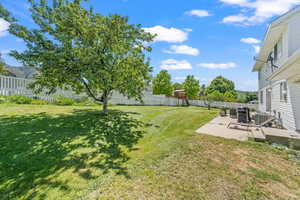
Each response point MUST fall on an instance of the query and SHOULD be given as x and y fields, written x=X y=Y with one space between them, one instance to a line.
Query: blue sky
x=204 y=38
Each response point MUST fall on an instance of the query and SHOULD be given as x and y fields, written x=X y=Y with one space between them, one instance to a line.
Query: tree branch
x=91 y=93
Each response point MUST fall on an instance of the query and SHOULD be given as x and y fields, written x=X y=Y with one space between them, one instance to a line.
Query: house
x=278 y=67
x=20 y=72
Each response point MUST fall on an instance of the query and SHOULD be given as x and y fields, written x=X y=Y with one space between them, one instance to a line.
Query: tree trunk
x=105 y=104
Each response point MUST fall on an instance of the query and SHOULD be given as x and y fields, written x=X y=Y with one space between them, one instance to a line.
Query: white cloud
x=172 y=64
x=256 y=48
x=254 y=42
x=250 y=40
x=198 y=13
x=260 y=10
x=171 y=35
x=4 y=25
x=238 y=2
x=218 y=65
x=183 y=49
x=188 y=29
x=234 y=19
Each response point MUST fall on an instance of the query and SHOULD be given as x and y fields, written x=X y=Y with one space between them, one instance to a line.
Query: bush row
x=59 y=100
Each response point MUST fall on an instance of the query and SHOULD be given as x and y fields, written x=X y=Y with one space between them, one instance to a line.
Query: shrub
x=64 y=101
x=17 y=99
x=3 y=99
x=86 y=103
x=39 y=102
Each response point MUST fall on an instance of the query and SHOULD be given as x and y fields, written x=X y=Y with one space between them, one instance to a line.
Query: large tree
x=74 y=48
x=191 y=87
x=230 y=96
x=222 y=85
x=162 y=83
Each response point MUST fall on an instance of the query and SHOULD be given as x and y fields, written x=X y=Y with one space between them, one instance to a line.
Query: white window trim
x=283 y=92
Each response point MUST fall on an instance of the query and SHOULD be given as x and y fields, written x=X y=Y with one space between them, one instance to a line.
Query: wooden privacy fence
x=19 y=86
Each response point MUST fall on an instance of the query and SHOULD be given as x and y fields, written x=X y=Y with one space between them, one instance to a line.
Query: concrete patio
x=219 y=127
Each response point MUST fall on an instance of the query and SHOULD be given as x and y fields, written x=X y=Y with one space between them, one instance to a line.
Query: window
x=277 y=51
x=283 y=91
x=261 y=97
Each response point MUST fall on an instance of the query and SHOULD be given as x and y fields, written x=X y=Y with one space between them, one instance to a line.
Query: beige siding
x=294 y=32
x=295 y=99
x=285 y=47
x=288 y=111
x=264 y=73
x=262 y=106
x=282 y=108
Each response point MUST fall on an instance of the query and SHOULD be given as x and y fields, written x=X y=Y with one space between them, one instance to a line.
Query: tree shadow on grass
x=35 y=148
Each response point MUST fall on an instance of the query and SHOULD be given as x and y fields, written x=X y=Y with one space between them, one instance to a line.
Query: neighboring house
x=20 y=72
x=278 y=67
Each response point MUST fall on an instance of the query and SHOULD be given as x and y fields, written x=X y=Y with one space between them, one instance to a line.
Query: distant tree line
x=162 y=84
x=220 y=89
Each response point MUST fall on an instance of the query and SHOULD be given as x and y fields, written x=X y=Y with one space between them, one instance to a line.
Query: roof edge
x=276 y=22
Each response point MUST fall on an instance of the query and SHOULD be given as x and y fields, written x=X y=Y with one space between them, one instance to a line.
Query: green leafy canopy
x=220 y=84
x=224 y=87
x=162 y=83
x=191 y=87
x=75 y=48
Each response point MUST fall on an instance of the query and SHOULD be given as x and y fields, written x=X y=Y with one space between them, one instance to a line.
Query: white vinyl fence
x=218 y=104
x=154 y=100
x=148 y=99
x=19 y=86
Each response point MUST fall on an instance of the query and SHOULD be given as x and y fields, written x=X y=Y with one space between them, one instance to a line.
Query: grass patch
x=251 y=191
x=265 y=175
x=134 y=152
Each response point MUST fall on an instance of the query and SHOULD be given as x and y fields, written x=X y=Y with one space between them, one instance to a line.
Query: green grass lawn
x=134 y=152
